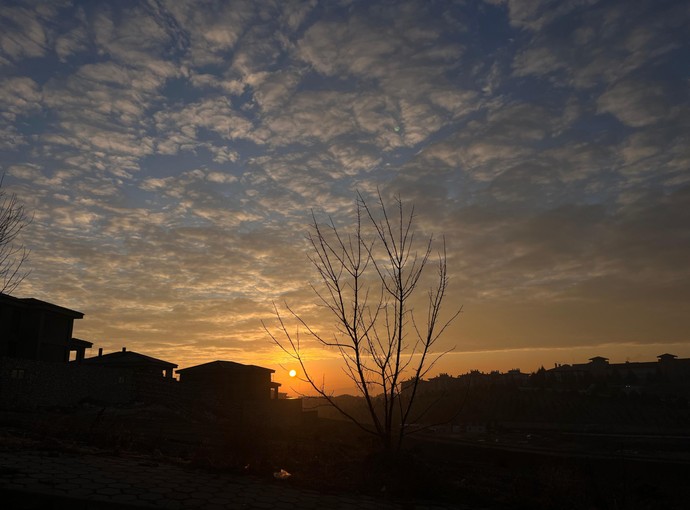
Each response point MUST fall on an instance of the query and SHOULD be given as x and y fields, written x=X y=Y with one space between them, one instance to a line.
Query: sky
x=172 y=152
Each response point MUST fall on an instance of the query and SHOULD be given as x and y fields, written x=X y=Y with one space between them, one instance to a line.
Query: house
x=134 y=361
x=447 y=384
x=673 y=367
x=231 y=382
x=37 y=330
x=668 y=367
x=570 y=375
x=244 y=393
x=150 y=379
x=79 y=347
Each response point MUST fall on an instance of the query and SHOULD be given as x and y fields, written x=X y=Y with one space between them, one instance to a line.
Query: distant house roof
x=222 y=365
x=600 y=364
x=598 y=358
x=40 y=305
x=129 y=359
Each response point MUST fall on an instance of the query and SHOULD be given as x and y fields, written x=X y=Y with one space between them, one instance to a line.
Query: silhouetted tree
x=369 y=279
x=13 y=254
x=538 y=378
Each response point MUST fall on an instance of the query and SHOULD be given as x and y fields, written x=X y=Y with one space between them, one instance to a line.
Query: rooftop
x=128 y=358
x=40 y=305
x=223 y=365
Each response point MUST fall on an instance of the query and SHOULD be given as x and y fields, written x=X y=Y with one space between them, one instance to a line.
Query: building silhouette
x=139 y=363
x=230 y=381
x=37 y=330
x=36 y=345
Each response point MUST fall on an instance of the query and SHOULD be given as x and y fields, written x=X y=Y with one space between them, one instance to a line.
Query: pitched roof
x=41 y=305
x=223 y=365
x=128 y=358
x=598 y=358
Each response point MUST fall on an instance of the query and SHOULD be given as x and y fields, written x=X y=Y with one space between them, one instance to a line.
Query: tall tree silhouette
x=369 y=279
x=13 y=254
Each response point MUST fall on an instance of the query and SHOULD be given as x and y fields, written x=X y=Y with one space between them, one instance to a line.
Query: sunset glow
x=172 y=153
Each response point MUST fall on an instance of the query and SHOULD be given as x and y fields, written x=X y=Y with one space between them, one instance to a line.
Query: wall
x=29 y=383
x=153 y=388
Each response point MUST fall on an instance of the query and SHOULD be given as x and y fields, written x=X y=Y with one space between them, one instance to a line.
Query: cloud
x=178 y=128
x=299 y=182
x=636 y=103
x=295 y=12
x=406 y=63
x=555 y=253
x=22 y=34
x=538 y=61
x=211 y=28
x=71 y=43
x=133 y=39
x=507 y=135
x=19 y=96
x=538 y=14
x=272 y=91
x=321 y=116
x=597 y=41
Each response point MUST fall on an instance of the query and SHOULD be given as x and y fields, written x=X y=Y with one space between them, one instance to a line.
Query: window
x=17 y=373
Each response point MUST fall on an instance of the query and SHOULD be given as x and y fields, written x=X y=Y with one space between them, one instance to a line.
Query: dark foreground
x=571 y=473
x=40 y=479
x=148 y=457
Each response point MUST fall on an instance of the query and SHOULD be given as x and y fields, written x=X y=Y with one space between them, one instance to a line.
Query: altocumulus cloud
x=172 y=151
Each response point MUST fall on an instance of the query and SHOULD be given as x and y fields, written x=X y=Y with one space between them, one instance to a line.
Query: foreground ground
x=158 y=458
x=38 y=478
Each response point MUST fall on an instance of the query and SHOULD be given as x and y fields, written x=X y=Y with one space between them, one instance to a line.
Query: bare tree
x=13 y=255
x=368 y=283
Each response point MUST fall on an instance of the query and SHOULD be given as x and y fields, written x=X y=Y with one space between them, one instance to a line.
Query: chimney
x=100 y=352
x=124 y=349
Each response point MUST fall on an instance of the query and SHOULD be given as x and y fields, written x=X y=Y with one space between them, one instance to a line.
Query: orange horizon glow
x=528 y=360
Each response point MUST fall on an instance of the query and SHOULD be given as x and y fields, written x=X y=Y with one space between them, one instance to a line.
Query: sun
x=292 y=373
